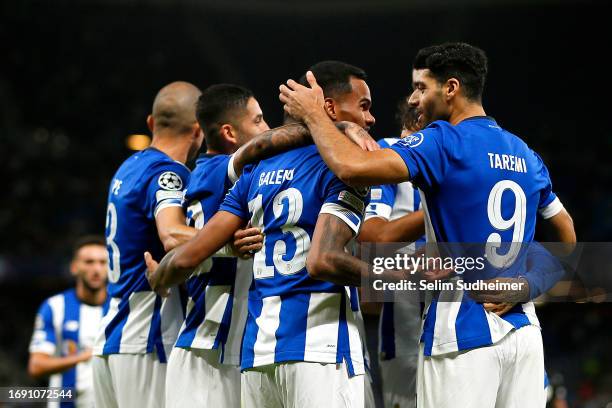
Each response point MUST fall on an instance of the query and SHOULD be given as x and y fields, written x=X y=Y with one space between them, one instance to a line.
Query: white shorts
x=507 y=374
x=129 y=380
x=399 y=381
x=195 y=378
x=368 y=392
x=302 y=385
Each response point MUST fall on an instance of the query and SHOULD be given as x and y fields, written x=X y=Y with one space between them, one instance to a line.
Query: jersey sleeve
x=231 y=172
x=236 y=200
x=346 y=203
x=549 y=204
x=382 y=199
x=425 y=156
x=43 y=338
x=166 y=188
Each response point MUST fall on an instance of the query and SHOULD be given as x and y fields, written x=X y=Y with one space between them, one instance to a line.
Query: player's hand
x=499 y=309
x=358 y=135
x=502 y=296
x=85 y=355
x=154 y=277
x=300 y=101
x=247 y=241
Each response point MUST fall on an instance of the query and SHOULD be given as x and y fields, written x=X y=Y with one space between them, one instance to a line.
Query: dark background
x=78 y=77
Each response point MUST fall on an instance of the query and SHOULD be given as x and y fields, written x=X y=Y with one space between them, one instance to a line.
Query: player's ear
x=197 y=131
x=228 y=133
x=330 y=108
x=150 y=122
x=452 y=87
x=73 y=268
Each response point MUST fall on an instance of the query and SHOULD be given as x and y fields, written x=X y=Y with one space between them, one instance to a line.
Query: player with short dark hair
x=344 y=88
x=335 y=77
x=464 y=163
x=203 y=368
x=67 y=324
x=216 y=112
x=301 y=346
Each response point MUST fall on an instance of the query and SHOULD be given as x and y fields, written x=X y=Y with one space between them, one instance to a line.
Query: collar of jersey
x=157 y=150
x=486 y=117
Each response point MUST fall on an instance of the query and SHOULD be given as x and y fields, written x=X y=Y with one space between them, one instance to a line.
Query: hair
x=218 y=105
x=334 y=77
x=406 y=115
x=174 y=107
x=87 y=240
x=462 y=61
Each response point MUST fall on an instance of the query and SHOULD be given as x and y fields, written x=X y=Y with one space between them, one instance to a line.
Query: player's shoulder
x=520 y=146
x=291 y=158
x=388 y=142
x=209 y=165
x=54 y=302
x=207 y=161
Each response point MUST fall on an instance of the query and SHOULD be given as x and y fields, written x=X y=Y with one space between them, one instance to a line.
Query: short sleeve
x=166 y=188
x=231 y=172
x=549 y=204
x=346 y=203
x=382 y=199
x=425 y=156
x=236 y=200
x=43 y=338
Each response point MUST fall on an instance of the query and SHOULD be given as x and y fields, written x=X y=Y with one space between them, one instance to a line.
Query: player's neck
x=175 y=147
x=468 y=110
x=219 y=151
x=90 y=296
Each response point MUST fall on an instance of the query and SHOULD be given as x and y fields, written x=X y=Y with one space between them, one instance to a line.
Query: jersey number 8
x=114 y=266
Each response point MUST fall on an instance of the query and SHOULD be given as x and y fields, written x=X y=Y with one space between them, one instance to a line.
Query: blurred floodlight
x=137 y=142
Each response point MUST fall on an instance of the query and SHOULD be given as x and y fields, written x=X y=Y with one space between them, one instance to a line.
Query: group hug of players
x=254 y=301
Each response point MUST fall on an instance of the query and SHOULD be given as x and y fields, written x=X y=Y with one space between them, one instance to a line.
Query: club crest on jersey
x=414 y=139
x=169 y=180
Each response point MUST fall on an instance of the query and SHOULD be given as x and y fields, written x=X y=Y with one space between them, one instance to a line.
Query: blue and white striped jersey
x=400 y=320
x=479 y=184
x=292 y=317
x=65 y=326
x=392 y=201
x=217 y=290
x=138 y=320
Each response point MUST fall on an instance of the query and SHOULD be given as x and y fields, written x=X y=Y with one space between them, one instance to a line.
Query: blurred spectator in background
x=67 y=323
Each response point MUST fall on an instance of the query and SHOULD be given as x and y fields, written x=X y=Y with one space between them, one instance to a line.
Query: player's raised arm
x=350 y=163
x=291 y=136
x=270 y=143
x=179 y=263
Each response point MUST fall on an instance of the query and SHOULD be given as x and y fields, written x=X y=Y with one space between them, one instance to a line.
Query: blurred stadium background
x=77 y=78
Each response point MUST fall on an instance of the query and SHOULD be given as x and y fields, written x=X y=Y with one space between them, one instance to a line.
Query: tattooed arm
x=270 y=143
x=327 y=259
x=292 y=136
